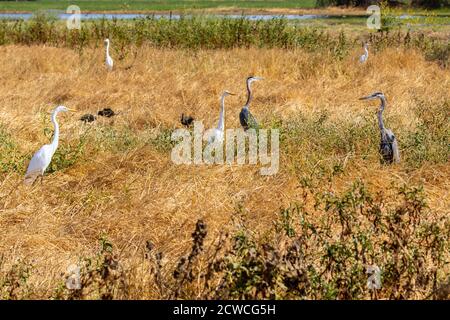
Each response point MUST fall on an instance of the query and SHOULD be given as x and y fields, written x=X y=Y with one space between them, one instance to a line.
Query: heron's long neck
x=222 y=114
x=55 y=140
x=107 y=49
x=380 y=114
x=249 y=94
x=366 y=49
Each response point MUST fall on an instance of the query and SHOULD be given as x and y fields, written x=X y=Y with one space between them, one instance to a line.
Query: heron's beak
x=73 y=110
x=366 y=98
x=231 y=93
x=259 y=78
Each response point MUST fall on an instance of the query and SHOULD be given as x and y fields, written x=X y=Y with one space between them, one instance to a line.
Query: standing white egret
x=388 y=144
x=365 y=56
x=245 y=117
x=219 y=131
x=109 y=60
x=41 y=159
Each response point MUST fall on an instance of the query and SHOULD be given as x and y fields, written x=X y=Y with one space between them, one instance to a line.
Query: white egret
x=388 y=144
x=365 y=56
x=219 y=131
x=245 y=117
x=41 y=159
x=109 y=60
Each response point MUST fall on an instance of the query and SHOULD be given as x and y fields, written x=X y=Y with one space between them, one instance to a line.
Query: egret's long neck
x=249 y=94
x=107 y=49
x=366 y=49
x=222 y=114
x=55 y=140
x=380 y=113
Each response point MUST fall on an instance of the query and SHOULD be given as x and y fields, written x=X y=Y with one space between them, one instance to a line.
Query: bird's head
x=373 y=96
x=253 y=78
x=63 y=109
x=228 y=93
x=106 y=41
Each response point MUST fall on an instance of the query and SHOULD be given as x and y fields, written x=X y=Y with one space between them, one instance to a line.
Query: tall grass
x=117 y=207
x=203 y=32
x=319 y=252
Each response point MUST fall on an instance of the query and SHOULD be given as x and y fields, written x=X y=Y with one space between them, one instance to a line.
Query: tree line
x=429 y=4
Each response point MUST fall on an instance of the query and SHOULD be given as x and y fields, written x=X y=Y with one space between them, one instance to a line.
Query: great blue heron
x=107 y=112
x=109 y=61
x=365 y=56
x=388 y=145
x=186 y=120
x=219 y=131
x=42 y=158
x=246 y=118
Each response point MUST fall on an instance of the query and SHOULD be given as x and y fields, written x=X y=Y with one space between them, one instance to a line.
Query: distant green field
x=143 y=5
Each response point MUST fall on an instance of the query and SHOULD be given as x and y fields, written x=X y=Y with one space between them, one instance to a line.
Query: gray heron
x=245 y=117
x=388 y=144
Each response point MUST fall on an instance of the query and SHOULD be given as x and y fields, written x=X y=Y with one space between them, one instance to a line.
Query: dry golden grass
x=137 y=194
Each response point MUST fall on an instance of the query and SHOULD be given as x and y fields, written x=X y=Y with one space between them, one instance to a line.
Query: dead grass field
x=124 y=186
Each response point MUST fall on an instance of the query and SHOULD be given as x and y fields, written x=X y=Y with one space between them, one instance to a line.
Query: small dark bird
x=87 y=118
x=186 y=120
x=107 y=112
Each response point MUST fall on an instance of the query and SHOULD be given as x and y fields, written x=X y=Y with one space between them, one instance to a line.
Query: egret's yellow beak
x=231 y=93
x=73 y=110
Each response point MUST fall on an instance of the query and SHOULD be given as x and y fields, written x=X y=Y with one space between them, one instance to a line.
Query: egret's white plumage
x=218 y=133
x=365 y=56
x=109 y=61
x=42 y=158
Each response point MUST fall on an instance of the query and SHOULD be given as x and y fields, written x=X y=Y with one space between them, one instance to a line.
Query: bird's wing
x=38 y=164
x=243 y=118
x=252 y=123
x=393 y=140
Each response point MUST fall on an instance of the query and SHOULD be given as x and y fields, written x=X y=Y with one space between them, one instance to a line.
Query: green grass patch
x=149 y=5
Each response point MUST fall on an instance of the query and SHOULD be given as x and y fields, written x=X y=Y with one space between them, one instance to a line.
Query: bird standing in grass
x=109 y=61
x=219 y=131
x=106 y=112
x=87 y=118
x=42 y=158
x=388 y=146
x=365 y=56
x=186 y=120
x=245 y=117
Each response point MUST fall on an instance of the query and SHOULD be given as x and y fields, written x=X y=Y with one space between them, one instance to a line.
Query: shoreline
x=249 y=12
x=281 y=11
